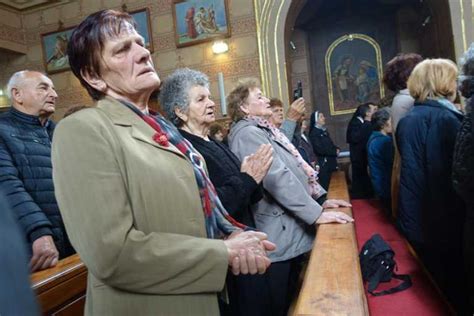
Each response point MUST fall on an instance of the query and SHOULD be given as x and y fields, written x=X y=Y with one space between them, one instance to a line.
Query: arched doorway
x=278 y=21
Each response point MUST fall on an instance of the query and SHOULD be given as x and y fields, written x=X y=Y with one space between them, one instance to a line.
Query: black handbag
x=377 y=265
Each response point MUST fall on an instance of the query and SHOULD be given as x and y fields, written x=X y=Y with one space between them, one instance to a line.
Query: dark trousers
x=361 y=187
x=267 y=294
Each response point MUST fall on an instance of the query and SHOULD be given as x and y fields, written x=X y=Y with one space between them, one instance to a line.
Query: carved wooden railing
x=62 y=290
x=333 y=283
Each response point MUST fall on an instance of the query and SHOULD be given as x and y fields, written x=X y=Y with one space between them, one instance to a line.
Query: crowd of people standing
x=165 y=216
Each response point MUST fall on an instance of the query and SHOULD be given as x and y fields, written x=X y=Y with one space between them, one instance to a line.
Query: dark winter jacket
x=380 y=157
x=26 y=177
x=237 y=190
x=463 y=161
x=358 y=133
x=430 y=213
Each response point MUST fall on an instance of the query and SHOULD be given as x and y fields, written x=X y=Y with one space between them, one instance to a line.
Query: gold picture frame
x=200 y=21
x=346 y=88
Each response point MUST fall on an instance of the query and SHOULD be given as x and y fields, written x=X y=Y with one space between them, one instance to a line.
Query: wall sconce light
x=1 y=92
x=220 y=47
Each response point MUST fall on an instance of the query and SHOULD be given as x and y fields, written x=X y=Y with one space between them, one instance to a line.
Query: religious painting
x=142 y=18
x=354 y=73
x=198 y=21
x=54 y=45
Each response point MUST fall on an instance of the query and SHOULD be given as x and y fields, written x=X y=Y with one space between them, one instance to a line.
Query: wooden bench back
x=62 y=290
x=333 y=283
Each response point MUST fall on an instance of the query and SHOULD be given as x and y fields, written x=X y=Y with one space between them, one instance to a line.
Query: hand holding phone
x=298 y=92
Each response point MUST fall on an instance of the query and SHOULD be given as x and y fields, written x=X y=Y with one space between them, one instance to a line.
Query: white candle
x=220 y=79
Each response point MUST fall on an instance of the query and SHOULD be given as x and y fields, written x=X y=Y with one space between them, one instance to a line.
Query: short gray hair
x=174 y=91
x=14 y=81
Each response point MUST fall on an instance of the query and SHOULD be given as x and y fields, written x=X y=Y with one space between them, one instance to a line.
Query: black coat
x=324 y=148
x=26 y=177
x=236 y=190
x=463 y=180
x=430 y=212
x=357 y=135
x=326 y=154
x=463 y=162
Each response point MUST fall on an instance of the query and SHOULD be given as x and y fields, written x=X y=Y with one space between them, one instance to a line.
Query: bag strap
x=403 y=286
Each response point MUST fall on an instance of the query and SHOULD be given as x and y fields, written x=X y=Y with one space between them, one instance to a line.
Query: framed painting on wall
x=198 y=21
x=354 y=73
x=54 y=46
x=142 y=18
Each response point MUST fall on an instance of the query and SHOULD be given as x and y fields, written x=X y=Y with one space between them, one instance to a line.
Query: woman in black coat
x=324 y=148
x=185 y=98
x=431 y=214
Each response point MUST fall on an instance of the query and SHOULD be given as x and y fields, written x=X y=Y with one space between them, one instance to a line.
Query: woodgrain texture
x=61 y=290
x=333 y=282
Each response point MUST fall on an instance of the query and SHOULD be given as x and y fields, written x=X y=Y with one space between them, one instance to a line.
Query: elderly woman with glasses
x=289 y=210
x=136 y=200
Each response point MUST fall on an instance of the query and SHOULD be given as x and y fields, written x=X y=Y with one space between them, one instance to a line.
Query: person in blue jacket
x=380 y=156
x=431 y=215
x=26 y=131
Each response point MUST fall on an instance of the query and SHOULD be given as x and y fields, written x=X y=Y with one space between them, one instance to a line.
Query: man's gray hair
x=174 y=93
x=15 y=81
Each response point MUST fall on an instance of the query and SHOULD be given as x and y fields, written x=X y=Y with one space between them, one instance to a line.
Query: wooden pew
x=62 y=290
x=333 y=281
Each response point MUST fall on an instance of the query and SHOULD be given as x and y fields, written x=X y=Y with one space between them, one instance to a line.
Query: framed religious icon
x=142 y=18
x=198 y=21
x=354 y=73
x=54 y=46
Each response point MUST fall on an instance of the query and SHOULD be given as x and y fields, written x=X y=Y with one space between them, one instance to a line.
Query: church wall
x=241 y=60
x=300 y=67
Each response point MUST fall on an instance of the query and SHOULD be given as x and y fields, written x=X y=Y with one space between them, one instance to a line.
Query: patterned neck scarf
x=218 y=220
x=316 y=189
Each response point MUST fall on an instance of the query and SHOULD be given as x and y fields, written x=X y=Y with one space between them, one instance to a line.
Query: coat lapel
x=140 y=130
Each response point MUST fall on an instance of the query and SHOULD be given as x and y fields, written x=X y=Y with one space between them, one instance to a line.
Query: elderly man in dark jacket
x=25 y=167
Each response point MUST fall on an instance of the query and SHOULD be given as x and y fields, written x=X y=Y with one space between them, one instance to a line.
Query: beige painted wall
x=241 y=60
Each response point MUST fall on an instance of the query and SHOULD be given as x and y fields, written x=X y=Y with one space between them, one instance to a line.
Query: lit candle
x=220 y=79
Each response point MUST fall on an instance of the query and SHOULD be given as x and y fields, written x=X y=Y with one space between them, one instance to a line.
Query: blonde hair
x=238 y=96
x=433 y=79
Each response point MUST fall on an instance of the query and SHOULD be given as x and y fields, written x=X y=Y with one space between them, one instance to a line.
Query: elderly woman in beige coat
x=136 y=200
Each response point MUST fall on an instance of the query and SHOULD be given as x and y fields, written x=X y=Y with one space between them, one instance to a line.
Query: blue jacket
x=380 y=157
x=26 y=177
x=430 y=213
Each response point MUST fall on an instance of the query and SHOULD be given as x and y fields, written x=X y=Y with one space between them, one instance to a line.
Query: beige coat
x=133 y=213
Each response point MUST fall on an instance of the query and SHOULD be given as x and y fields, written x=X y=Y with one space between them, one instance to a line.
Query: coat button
x=275 y=212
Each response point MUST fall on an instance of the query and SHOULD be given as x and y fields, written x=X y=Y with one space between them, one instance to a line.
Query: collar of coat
x=439 y=104
x=29 y=119
x=120 y=115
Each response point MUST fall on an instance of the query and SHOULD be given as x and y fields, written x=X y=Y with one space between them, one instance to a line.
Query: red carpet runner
x=421 y=299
